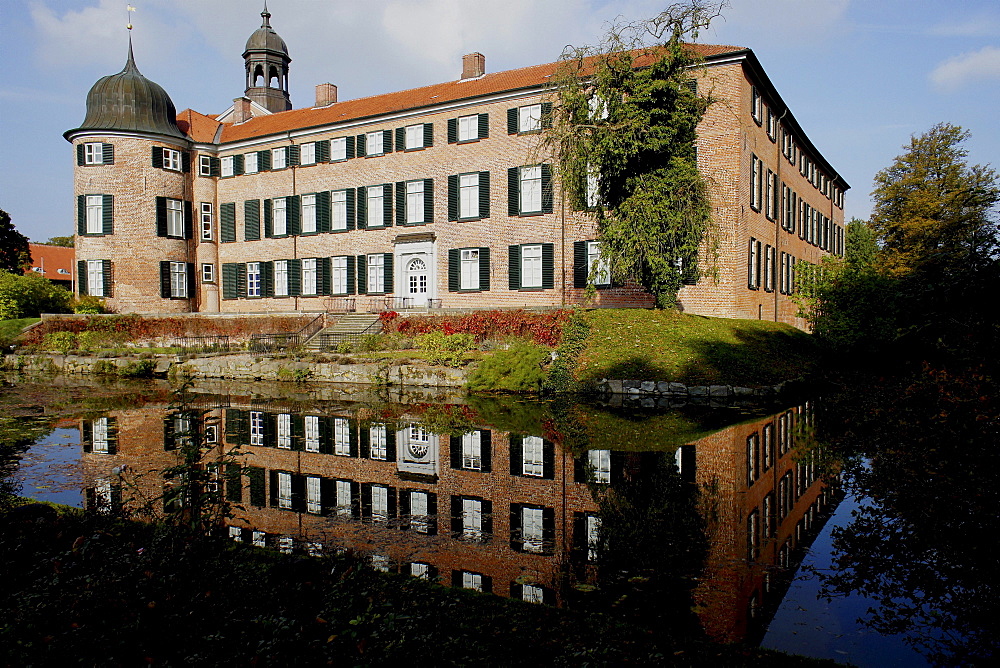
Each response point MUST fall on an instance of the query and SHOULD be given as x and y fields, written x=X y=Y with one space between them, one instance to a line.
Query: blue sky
x=860 y=77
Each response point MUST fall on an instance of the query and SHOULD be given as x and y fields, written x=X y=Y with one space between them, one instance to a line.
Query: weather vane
x=129 y=8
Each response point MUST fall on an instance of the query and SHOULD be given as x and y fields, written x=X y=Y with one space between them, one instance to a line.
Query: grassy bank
x=11 y=328
x=669 y=345
x=108 y=592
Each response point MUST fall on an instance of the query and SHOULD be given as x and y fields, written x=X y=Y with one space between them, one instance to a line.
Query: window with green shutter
x=227 y=229
x=230 y=280
x=251 y=220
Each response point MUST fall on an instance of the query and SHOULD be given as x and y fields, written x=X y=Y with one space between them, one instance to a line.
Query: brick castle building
x=435 y=196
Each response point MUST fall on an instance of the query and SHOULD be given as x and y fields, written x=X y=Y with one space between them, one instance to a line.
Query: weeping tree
x=623 y=135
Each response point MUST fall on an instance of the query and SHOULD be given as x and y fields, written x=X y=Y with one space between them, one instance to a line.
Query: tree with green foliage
x=14 y=252
x=934 y=213
x=66 y=242
x=624 y=125
x=29 y=295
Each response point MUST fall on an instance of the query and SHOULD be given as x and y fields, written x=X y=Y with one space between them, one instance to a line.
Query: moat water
x=776 y=526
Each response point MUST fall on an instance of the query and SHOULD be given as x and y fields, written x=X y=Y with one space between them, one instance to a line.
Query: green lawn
x=638 y=344
x=11 y=328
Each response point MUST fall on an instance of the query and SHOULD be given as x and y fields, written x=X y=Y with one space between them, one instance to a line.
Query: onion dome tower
x=266 y=58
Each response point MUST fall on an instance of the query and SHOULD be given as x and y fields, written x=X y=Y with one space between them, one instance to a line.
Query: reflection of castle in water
x=514 y=514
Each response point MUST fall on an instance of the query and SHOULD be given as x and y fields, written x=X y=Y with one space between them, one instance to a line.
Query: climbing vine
x=623 y=133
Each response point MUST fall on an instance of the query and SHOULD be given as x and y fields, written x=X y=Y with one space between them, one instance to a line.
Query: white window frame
x=377 y=445
x=279 y=158
x=95 y=278
x=380 y=503
x=529 y=118
x=414 y=137
x=93 y=153
x=598 y=266
x=531 y=266
x=284 y=431
x=311 y=436
x=175 y=218
x=307 y=153
x=250 y=163
x=468 y=128
x=374 y=143
x=469 y=269
x=95 y=214
x=756 y=105
x=473 y=581
x=419 y=511
x=338 y=275
x=468 y=196
x=279 y=216
x=314 y=495
x=532 y=529
x=99 y=436
x=415 y=202
x=472 y=519
x=207 y=219
x=204 y=165
x=341 y=437
x=345 y=501
x=338 y=149
x=338 y=210
x=284 y=490
x=253 y=279
x=593 y=187
x=376 y=273
x=178 y=279
x=309 y=223
x=310 y=277
x=227 y=166
x=256 y=428
x=533 y=456
x=375 y=206
x=530 y=189
x=600 y=466
x=172 y=160
x=281 y=278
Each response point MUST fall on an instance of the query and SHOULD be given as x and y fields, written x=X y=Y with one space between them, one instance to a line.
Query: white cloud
x=967 y=68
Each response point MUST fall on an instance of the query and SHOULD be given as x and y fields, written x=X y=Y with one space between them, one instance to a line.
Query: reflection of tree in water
x=925 y=454
x=652 y=544
x=17 y=434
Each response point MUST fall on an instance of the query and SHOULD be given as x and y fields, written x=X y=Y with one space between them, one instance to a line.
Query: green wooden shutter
x=546 y=115
x=269 y=218
x=387 y=204
x=323 y=150
x=214 y=166
x=251 y=220
x=388 y=273
x=513 y=191
x=401 y=203
x=454 y=269
x=351 y=208
x=453 y=197
x=351 y=274
x=158 y=157
x=185 y=162
x=362 y=274
x=580 y=269
x=165 y=279
x=81 y=214
x=190 y=280
x=387 y=141
x=108 y=154
x=230 y=271
x=263 y=160
x=238 y=167
x=267 y=279
x=428 y=200
x=80 y=160
x=161 y=216
x=293 y=214
x=294 y=278
x=108 y=275
x=400 y=139
x=351 y=144
x=241 y=279
x=428 y=135
x=484 y=270
x=484 y=194
x=548 y=266
x=512 y=120
x=359 y=144
x=292 y=155
x=452 y=130
x=484 y=126
x=362 y=208
x=188 y=221
x=546 y=189
x=108 y=214
x=323 y=282
x=323 y=205
x=227 y=232
x=81 y=277
x=514 y=267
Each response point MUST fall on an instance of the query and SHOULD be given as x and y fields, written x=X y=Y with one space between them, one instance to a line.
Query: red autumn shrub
x=544 y=328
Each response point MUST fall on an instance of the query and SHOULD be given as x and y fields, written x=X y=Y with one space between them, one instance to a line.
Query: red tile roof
x=198 y=127
x=52 y=259
x=451 y=91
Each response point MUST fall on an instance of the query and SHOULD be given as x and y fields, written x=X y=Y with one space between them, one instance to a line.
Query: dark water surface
x=729 y=520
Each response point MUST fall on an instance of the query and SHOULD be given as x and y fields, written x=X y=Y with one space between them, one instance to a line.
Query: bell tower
x=266 y=58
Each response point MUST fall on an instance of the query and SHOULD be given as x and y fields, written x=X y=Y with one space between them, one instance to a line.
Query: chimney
x=326 y=94
x=473 y=65
x=241 y=110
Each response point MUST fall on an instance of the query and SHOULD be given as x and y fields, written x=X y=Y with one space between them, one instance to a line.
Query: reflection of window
x=532 y=593
x=259 y=539
x=380 y=503
x=472 y=519
x=531 y=529
x=256 y=428
x=600 y=464
x=420 y=570
x=377 y=439
x=284 y=490
x=286 y=544
x=344 y=504
x=284 y=431
x=472 y=581
x=532 y=462
x=593 y=536
x=236 y=534
x=753 y=458
x=418 y=441
x=341 y=437
x=419 y=512
x=753 y=535
x=472 y=451
x=313 y=495
x=380 y=562
x=312 y=433
x=100 y=435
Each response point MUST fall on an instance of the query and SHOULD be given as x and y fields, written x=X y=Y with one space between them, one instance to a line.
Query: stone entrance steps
x=349 y=327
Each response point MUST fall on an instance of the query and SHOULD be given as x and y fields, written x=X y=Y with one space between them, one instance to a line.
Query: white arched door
x=416 y=281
